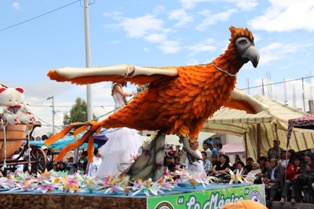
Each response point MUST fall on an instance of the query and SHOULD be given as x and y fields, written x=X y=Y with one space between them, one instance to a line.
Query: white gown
x=122 y=144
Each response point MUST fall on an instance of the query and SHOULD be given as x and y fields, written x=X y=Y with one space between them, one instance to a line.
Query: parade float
x=177 y=101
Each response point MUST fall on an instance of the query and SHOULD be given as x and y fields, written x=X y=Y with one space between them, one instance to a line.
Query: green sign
x=208 y=199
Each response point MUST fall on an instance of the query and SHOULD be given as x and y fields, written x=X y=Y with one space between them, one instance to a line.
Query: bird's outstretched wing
x=242 y=101
x=117 y=73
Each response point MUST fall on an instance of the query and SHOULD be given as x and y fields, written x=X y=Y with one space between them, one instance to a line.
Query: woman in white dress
x=122 y=144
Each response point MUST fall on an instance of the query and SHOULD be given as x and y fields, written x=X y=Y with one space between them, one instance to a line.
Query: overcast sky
x=37 y=36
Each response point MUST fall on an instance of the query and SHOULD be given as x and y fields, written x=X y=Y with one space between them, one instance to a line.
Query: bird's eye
x=242 y=41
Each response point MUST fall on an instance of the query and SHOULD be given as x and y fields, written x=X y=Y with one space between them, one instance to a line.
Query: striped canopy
x=306 y=122
x=268 y=125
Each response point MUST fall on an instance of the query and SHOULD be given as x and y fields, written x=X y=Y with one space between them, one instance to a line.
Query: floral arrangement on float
x=48 y=182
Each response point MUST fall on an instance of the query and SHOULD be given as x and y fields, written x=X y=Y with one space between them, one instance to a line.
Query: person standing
x=207 y=150
x=122 y=144
x=197 y=166
x=92 y=168
x=207 y=164
x=275 y=151
x=48 y=160
x=212 y=148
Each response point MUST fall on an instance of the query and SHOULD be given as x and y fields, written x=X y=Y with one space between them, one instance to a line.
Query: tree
x=78 y=113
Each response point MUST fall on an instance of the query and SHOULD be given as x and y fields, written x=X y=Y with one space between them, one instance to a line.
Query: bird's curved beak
x=252 y=54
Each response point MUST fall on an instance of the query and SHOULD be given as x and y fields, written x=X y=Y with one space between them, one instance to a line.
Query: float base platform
x=213 y=196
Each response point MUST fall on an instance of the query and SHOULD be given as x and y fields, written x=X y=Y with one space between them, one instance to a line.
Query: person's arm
x=214 y=169
x=225 y=170
x=290 y=171
x=117 y=88
x=278 y=175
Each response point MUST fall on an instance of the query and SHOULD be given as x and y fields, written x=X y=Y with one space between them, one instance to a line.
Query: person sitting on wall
x=221 y=170
x=272 y=179
x=252 y=176
x=304 y=178
x=291 y=173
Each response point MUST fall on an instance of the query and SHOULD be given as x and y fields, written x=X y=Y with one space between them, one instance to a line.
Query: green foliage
x=78 y=113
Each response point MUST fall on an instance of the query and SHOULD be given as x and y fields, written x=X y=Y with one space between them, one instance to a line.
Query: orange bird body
x=178 y=104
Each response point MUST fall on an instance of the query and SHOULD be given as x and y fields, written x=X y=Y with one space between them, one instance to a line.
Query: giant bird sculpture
x=177 y=101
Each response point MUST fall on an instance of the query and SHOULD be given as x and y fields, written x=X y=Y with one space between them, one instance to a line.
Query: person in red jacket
x=291 y=172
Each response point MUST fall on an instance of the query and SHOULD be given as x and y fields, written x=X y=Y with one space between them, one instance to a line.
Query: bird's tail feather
x=94 y=127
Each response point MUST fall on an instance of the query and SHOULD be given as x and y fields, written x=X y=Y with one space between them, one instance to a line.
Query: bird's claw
x=186 y=146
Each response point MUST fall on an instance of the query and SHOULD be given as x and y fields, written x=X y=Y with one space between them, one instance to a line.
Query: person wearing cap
x=244 y=204
x=305 y=178
x=92 y=168
x=252 y=175
x=49 y=162
x=275 y=151
x=212 y=148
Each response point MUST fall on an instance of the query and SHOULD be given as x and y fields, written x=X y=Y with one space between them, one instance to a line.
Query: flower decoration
x=240 y=177
x=164 y=185
x=195 y=178
x=158 y=165
x=147 y=187
x=7 y=182
x=70 y=184
x=90 y=185
x=133 y=158
x=46 y=187
x=114 y=184
x=146 y=152
x=43 y=176
x=212 y=179
x=25 y=181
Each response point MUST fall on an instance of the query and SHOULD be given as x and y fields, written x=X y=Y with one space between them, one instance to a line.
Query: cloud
x=245 y=5
x=286 y=16
x=170 y=47
x=202 y=46
x=159 y=9
x=156 y=38
x=241 y=4
x=150 y=29
x=16 y=5
x=211 y=19
x=182 y=17
x=190 y=4
x=142 y=26
x=276 y=51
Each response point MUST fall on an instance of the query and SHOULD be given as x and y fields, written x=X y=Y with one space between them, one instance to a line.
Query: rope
x=29 y=148
x=4 y=128
x=222 y=70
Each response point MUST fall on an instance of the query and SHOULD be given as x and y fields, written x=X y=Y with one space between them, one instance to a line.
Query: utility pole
x=87 y=52
x=53 y=114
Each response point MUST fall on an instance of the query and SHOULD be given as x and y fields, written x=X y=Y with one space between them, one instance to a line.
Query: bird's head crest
x=240 y=32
